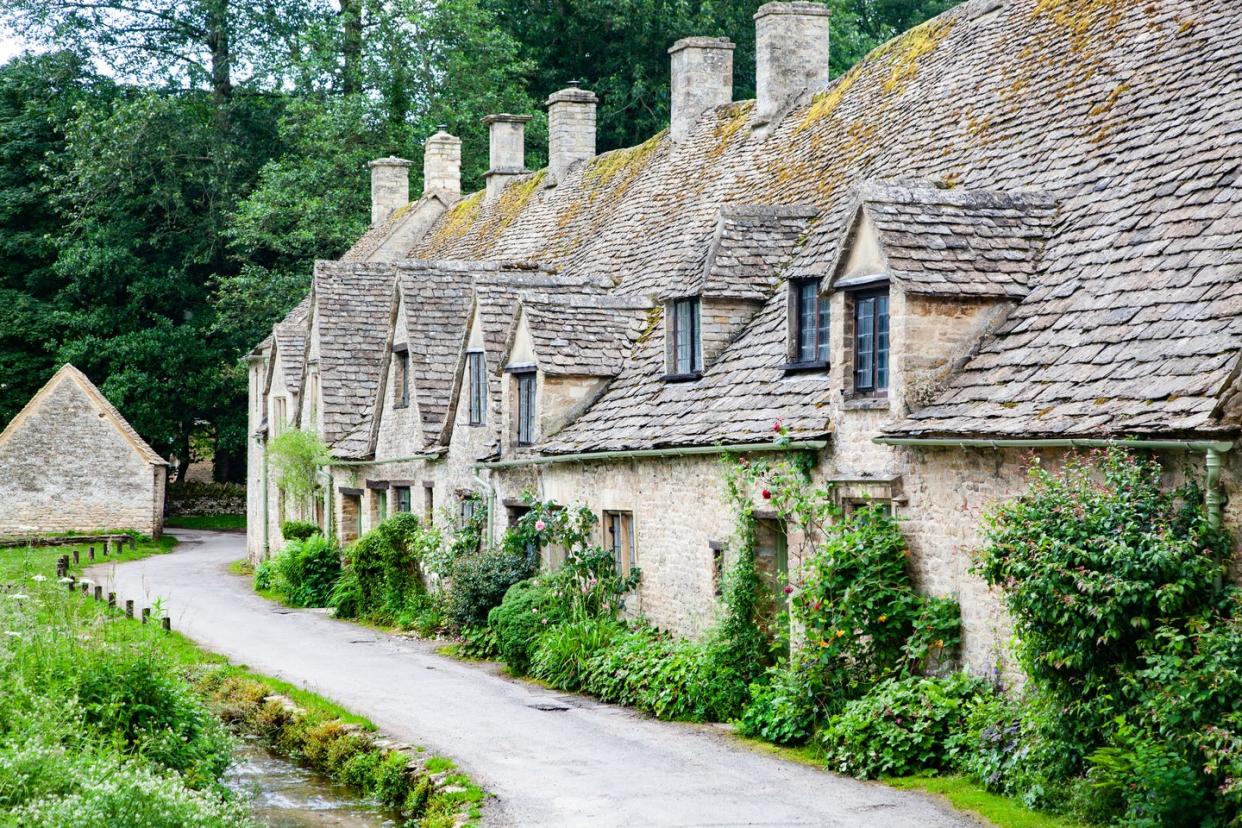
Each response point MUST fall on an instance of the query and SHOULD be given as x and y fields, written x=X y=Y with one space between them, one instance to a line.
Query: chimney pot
x=507 y=151
x=702 y=79
x=390 y=187
x=791 y=54
x=442 y=165
x=571 y=128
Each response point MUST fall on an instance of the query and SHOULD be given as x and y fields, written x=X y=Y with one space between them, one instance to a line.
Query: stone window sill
x=805 y=367
x=691 y=377
x=865 y=404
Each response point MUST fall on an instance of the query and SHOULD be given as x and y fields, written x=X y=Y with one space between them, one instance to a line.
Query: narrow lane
x=550 y=759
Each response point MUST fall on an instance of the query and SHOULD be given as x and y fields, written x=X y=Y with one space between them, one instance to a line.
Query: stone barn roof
x=70 y=374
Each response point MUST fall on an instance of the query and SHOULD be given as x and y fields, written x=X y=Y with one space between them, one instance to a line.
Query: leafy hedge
x=304 y=573
x=382 y=580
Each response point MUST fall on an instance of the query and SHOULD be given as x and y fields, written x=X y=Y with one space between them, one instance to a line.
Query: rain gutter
x=683 y=451
x=1212 y=451
x=432 y=455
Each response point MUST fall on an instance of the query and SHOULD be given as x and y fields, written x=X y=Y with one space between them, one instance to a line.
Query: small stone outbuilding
x=70 y=462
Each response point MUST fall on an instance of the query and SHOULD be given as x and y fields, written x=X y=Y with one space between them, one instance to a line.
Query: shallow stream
x=288 y=796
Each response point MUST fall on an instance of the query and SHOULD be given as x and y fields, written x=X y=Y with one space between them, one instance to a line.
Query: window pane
x=821 y=330
x=681 y=328
x=478 y=386
x=864 y=310
x=881 y=342
x=806 y=322
x=526 y=409
x=695 y=361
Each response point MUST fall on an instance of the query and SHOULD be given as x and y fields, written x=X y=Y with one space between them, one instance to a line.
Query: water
x=288 y=796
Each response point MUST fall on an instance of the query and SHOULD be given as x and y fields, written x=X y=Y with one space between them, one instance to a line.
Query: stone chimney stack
x=507 y=151
x=702 y=78
x=791 y=55
x=571 y=128
x=442 y=165
x=390 y=187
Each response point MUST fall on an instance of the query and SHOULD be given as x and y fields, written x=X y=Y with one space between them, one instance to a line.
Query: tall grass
x=98 y=727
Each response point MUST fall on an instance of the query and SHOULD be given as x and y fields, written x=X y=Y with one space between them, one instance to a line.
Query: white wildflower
x=19 y=596
x=12 y=634
x=39 y=578
x=66 y=580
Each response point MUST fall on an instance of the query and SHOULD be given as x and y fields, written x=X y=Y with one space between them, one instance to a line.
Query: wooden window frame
x=526 y=388
x=401 y=395
x=429 y=502
x=624 y=557
x=815 y=353
x=476 y=368
x=691 y=330
x=402 y=499
x=878 y=372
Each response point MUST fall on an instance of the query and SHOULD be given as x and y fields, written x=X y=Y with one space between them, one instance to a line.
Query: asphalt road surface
x=547 y=758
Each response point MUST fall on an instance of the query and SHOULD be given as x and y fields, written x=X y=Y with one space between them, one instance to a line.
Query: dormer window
x=684 y=338
x=871 y=342
x=810 y=324
x=526 y=408
x=401 y=391
x=478 y=387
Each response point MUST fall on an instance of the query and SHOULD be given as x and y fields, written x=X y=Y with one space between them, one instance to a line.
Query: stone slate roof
x=956 y=242
x=577 y=334
x=750 y=247
x=1131 y=321
x=291 y=345
x=351 y=302
x=437 y=301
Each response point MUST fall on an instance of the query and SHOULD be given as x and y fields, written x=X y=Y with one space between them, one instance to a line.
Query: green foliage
x=304 y=573
x=787 y=704
x=298 y=530
x=480 y=581
x=563 y=651
x=97 y=725
x=296 y=456
x=526 y=611
x=901 y=726
x=383 y=581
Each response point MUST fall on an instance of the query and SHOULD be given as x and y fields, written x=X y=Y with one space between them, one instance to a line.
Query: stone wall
x=67 y=468
x=194 y=497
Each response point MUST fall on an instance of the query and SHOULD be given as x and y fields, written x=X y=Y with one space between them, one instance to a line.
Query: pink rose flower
x=540 y=526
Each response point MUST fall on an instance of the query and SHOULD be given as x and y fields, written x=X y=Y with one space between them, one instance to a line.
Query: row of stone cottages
x=1016 y=227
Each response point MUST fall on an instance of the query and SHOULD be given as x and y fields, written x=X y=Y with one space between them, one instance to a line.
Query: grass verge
x=218 y=523
x=63 y=645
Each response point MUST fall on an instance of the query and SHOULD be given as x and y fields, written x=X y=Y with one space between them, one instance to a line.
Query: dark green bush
x=563 y=651
x=383 y=581
x=901 y=727
x=480 y=581
x=298 y=530
x=787 y=705
x=305 y=572
x=528 y=608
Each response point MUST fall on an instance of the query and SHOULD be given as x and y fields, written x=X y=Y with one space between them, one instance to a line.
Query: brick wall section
x=66 y=468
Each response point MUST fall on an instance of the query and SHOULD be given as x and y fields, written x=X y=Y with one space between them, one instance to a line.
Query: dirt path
x=550 y=759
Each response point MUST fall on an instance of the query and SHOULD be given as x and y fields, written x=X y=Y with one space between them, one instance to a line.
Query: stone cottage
x=1016 y=228
x=70 y=462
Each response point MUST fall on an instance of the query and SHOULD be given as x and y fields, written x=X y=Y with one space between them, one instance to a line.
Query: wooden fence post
x=146 y=614
x=85 y=587
x=98 y=593
x=129 y=608
x=75 y=556
x=133 y=544
x=90 y=553
x=167 y=622
x=73 y=583
x=111 y=600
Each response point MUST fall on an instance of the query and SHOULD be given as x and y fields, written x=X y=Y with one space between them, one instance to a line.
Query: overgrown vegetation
x=303 y=574
x=103 y=721
x=296 y=456
x=382 y=581
x=1131 y=640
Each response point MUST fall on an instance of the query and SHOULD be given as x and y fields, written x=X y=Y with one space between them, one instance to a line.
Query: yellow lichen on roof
x=458 y=219
x=621 y=166
x=1079 y=16
x=735 y=117
x=515 y=197
x=906 y=51
x=826 y=102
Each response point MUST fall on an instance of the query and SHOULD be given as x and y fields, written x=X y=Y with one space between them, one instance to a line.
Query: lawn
x=218 y=523
x=21 y=561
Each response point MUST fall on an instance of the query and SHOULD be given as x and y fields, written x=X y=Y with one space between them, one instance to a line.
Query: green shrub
x=624 y=672
x=900 y=727
x=528 y=608
x=384 y=582
x=786 y=706
x=292 y=530
x=990 y=747
x=305 y=572
x=480 y=581
x=479 y=642
x=265 y=575
x=563 y=651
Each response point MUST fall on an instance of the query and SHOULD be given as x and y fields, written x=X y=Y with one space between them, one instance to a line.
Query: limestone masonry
x=1015 y=229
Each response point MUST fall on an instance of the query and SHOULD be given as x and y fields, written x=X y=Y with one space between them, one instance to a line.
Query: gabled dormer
x=561 y=352
x=741 y=269
x=920 y=275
